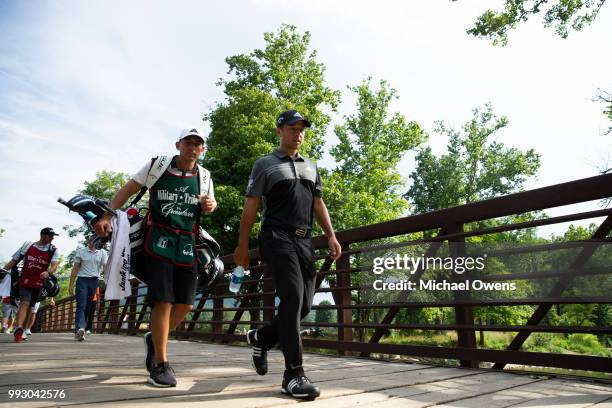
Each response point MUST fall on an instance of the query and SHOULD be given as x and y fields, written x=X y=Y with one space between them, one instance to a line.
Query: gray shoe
x=80 y=335
x=162 y=376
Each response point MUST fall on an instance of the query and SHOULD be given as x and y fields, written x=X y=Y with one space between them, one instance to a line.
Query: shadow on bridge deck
x=108 y=370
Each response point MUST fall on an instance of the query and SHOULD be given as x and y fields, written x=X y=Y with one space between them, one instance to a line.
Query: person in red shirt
x=39 y=260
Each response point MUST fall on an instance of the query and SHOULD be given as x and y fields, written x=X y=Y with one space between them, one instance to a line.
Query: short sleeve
x=141 y=176
x=77 y=256
x=17 y=255
x=257 y=181
x=56 y=256
x=318 y=188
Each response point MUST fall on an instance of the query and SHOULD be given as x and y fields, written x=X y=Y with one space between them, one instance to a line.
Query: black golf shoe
x=259 y=359
x=300 y=387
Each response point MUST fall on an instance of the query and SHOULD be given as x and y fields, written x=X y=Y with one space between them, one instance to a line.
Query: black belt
x=300 y=232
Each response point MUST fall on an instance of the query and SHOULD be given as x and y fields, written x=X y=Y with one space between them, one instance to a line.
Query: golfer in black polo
x=291 y=188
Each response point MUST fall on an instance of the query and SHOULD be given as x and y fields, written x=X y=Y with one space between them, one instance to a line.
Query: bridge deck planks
x=108 y=370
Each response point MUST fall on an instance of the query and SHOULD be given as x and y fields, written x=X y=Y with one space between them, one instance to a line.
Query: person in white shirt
x=88 y=263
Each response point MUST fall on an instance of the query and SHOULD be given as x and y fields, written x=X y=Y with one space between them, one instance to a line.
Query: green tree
x=104 y=186
x=474 y=167
x=581 y=286
x=285 y=74
x=563 y=15
x=365 y=186
x=324 y=315
x=63 y=275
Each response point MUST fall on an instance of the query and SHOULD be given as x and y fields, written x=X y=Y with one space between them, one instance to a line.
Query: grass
x=422 y=338
x=577 y=343
x=561 y=372
x=558 y=343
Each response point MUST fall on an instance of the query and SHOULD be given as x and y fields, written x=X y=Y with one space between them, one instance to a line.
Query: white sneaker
x=80 y=335
x=28 y=332
x=87 y=332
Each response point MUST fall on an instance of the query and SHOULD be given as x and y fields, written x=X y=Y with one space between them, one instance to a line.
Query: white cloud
x=99 y=85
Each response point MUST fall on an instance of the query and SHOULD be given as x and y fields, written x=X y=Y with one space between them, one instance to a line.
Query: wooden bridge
x=108 y=369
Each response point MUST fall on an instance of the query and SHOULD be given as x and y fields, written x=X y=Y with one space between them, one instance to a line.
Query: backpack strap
x=204 y=176
x=159 y=165
x=24 y=249
x=52 y=249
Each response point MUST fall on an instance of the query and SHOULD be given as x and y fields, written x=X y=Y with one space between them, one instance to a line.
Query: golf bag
x=91 y=209
x=50 y=289
x=210 y=266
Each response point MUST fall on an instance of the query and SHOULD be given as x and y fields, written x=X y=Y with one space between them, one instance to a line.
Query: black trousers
x=290 y=258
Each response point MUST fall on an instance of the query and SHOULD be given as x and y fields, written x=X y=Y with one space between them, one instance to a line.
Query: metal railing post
x=343 y=298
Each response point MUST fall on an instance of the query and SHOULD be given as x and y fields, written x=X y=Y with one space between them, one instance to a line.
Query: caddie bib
x=35 y=262
x=173 y=212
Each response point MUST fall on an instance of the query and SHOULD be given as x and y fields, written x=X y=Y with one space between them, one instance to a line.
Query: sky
x=90 y=86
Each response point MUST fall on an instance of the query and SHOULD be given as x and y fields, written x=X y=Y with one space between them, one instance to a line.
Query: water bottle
x=236 y=279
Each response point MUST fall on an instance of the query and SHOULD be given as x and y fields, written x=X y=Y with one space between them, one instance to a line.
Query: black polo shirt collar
x=281 y=154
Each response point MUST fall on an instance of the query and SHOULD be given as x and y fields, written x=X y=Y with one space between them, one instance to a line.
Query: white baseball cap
x=190 y=132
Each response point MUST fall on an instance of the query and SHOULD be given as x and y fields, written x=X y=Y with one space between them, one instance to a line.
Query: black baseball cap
x=289 y=117
x=48 y=231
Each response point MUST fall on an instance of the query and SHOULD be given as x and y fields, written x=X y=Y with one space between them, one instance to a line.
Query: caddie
x=179 y=190
x=40 y=259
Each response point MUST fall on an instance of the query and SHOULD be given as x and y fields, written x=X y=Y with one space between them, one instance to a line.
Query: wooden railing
x=450 y=231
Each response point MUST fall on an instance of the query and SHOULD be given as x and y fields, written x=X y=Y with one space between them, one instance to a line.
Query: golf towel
x=5 y=286
x=117 y=270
